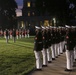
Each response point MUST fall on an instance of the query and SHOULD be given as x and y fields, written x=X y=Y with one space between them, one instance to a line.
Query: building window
x=33 y=13
x=33 y=4
x=22 y=24
x=28 y=13
x=46 y=23
x=28 y=4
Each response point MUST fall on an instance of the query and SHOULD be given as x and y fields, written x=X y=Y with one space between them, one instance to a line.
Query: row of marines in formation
x=18 y=32
x=53 y=41
x=14 y=33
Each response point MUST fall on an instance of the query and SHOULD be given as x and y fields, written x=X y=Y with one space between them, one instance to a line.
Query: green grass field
x=16 y=58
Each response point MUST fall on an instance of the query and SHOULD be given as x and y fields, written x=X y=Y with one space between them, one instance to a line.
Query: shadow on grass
x=20 y=45
x=31 y=39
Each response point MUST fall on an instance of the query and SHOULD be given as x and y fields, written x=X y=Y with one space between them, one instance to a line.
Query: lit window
x=28 y=13
x=28 y=4
x=46 y=23
x=22 y=24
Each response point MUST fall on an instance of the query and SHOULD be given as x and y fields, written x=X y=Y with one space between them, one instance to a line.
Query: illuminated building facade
x=31 y=17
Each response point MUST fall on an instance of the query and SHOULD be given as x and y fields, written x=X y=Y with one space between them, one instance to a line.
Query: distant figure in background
x=25 y=33
x=17 y=34
x=6 y=33
x=1 y=32
x=20 y=33
x=10 y=34
x=28 y=33
x=14 y=35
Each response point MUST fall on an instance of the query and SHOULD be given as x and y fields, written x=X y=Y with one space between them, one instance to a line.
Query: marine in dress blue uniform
x=69 y=49
x=38 y=46
x=48 y=41
x=44 y=51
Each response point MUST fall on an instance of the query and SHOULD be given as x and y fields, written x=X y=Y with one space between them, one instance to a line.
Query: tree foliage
x=7 y=10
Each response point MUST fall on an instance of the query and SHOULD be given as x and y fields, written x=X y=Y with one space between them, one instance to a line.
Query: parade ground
x=57 y=67
x=18 y=59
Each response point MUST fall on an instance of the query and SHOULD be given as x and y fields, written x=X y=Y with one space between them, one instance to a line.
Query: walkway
x=57 y=67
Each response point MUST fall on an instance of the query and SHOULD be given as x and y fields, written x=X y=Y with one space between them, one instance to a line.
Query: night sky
x=20 y=5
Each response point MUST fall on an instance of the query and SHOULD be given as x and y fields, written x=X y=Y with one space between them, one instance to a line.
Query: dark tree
x=57 y=8
x=7 y=13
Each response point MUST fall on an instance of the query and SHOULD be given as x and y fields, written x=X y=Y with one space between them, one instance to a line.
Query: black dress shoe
x=49 y=61
x=68 y=69
x=38 y=70
x=56 y=56
x=53 y=58
x=44 y=65
x=61 y=53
